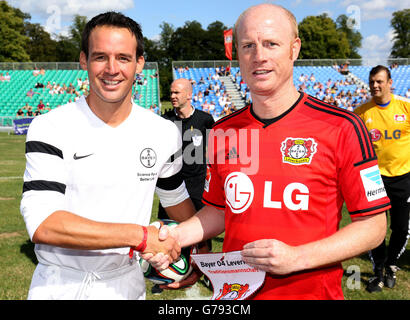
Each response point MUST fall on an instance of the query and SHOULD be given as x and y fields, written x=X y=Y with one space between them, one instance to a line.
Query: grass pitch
x=17 y=259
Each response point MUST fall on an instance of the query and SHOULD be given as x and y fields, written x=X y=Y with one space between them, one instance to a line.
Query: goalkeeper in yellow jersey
x=387 y=117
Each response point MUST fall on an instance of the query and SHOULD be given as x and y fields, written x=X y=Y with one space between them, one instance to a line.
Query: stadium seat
x=13 y=94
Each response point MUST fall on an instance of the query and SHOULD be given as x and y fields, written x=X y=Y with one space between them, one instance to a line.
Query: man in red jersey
x=280 y=170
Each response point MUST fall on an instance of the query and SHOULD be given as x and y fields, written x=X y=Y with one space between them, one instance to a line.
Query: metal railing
x=299 y=62
x=54 y=65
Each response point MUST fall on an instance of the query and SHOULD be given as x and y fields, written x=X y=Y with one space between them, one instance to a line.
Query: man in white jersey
x=92 y=170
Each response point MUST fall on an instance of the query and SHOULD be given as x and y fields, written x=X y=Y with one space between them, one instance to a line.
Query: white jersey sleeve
x=45 y=175
x=170 y=187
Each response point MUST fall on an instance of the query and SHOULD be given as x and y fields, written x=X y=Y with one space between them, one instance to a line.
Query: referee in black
x=193 y=124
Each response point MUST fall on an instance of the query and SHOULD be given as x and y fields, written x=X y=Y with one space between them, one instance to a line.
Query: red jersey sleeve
x=214 y=194
x=359 y=176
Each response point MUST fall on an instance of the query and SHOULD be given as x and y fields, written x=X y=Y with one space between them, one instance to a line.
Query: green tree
x=69 y=47
x=76 y=31
x=321 y=39
x=40 y=45
x=353 y=36
x=187 y=42
x=13 y=42
x=66 y=50
x=401 y=25
x=214 y=41
x=157 y=51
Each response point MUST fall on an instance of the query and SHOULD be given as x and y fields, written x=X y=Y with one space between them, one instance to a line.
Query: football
x=177 y=271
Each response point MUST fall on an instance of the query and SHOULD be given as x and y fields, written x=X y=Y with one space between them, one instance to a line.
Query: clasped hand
x=162 y=248
x=161 y=261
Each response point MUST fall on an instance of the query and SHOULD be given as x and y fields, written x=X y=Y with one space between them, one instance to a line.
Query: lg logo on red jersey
x=239 y=193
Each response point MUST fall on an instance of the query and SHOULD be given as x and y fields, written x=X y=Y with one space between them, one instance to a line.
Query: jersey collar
x=268 y=122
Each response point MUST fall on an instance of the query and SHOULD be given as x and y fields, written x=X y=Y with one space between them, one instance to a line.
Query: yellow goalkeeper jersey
x=389 y=127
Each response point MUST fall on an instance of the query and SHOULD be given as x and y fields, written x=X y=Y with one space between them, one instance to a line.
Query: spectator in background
x=39 y=85
x=232 y=108
x=408 y=93
x=7 y=77
x=355 y=103
x=31 y=93
x=205 y=106
x=222 y=87
x=20 y=113
x=228 y=70
x=41 y=105
x=139 y=79
x=136 y=96
x=223 y=100
x=154 y=108
x=328 y=83
x=212 y=107
x=30 y=113
x=26 y=107
x=345 y=68
x=85 y=85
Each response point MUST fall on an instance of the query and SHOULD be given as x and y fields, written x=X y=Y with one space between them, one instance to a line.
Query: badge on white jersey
x=373 y=183
x=148 y=157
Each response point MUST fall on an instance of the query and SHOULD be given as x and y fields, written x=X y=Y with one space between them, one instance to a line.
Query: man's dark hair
x=379 y=68
x=114 y=19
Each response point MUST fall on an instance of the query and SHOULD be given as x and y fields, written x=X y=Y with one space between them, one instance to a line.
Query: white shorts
x=57 y=283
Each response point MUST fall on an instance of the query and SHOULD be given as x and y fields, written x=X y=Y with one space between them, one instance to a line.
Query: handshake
x=163 y=246
x=163 y=249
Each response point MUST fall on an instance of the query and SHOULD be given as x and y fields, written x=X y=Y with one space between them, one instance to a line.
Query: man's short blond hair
x=291 y=17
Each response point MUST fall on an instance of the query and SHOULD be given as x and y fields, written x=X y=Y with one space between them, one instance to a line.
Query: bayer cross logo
x=148 y=157
x=297 y=151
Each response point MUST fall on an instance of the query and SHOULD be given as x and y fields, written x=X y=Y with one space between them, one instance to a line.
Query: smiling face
x=267 y=46
x=111 y=65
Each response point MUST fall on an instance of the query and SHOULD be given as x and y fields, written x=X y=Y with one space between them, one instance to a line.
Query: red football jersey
x=288 y=180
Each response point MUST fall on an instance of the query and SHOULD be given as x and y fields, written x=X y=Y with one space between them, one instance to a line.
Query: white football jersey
x=77 y=163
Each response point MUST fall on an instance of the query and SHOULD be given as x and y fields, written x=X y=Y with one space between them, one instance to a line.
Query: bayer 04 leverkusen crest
x=298 y=151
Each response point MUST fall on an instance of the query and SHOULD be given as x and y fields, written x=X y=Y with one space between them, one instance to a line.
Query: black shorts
x=398 y=191
x=397 y=187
